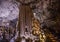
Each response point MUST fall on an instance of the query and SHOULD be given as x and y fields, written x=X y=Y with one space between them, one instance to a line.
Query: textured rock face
x=52 y=12
x=46 y=11
x=9 y=9
x=27 y=1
